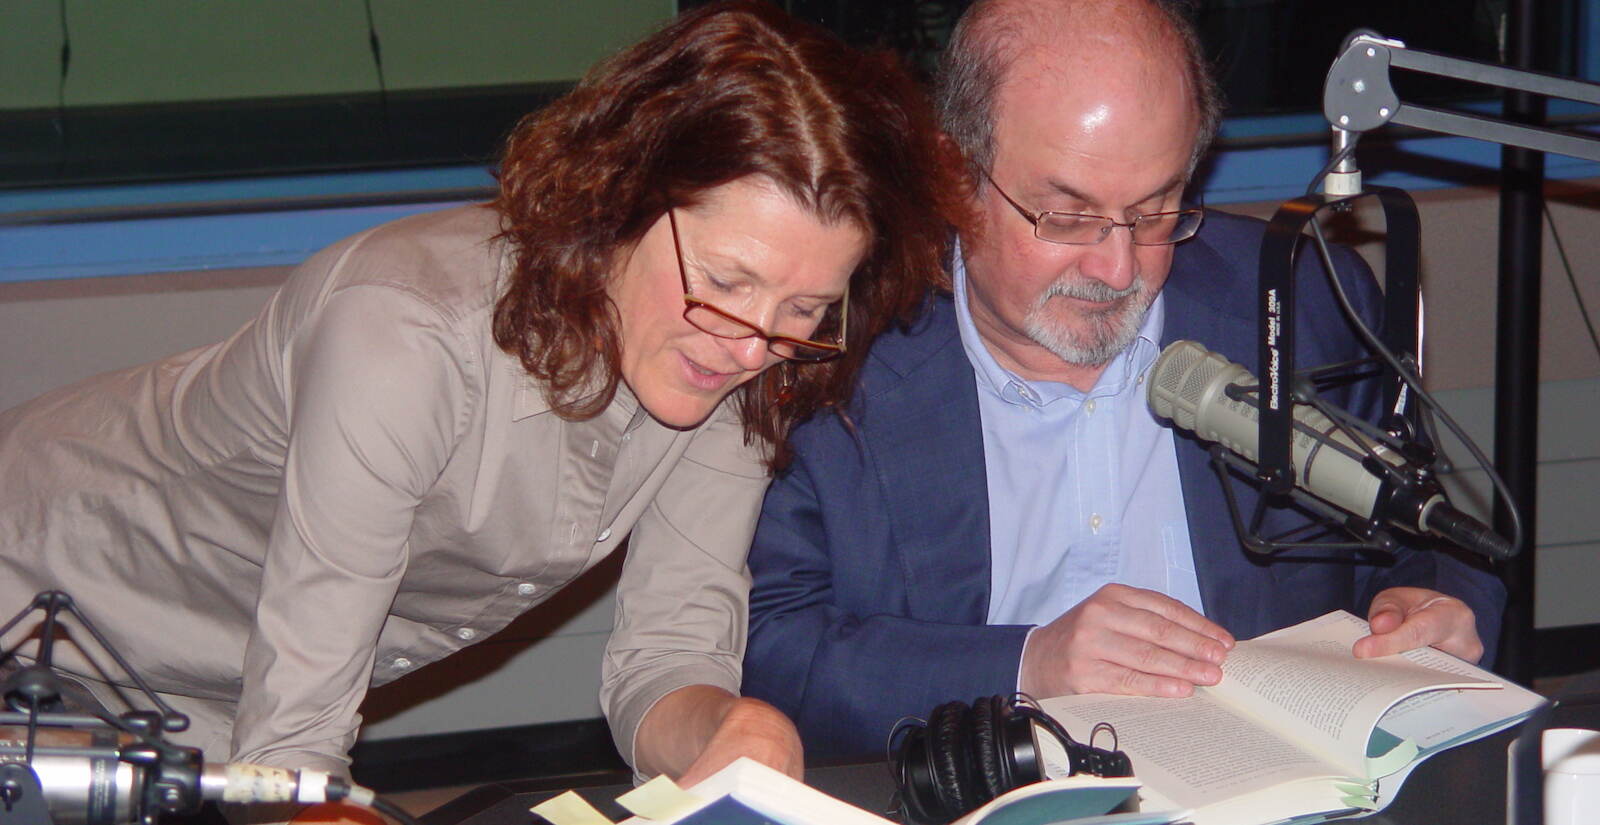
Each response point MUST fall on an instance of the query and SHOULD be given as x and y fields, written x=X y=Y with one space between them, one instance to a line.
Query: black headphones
x=963 y=756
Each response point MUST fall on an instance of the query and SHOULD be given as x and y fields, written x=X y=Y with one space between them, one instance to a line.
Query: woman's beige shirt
x=358 y=483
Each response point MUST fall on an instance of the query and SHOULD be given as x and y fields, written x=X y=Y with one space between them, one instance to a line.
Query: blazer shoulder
x=907 y=350
x=1218 y=269
x=1221 y=269
x=909 y=369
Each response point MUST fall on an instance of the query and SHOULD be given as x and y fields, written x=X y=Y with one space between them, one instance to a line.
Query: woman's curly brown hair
x=723 y=92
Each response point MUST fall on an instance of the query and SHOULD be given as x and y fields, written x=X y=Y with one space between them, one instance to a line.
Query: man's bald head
x=1115 y=44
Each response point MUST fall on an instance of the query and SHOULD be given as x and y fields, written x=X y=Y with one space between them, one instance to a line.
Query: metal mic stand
x=1358 y=97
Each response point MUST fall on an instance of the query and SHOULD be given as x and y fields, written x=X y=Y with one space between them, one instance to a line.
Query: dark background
x=1270 y=56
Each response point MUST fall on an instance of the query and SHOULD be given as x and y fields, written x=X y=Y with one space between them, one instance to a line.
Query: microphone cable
x=1411 y=379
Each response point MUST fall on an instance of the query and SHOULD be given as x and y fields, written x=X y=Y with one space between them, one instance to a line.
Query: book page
x=1442 y=719
x=1304 y=682
x=1194 y=751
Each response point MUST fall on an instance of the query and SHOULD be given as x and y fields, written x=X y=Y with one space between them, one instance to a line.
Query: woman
x=434 y=425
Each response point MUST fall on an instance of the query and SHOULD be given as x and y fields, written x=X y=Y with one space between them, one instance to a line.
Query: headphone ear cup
x=1023 y=764
x=988 y=742
x=920 y=795
x=914 y=772
x=1005 y=742
x=952 y=772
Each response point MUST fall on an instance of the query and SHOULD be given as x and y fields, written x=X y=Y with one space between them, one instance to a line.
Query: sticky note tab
x=570 y=809
x=1358 y=795
x=660 y=798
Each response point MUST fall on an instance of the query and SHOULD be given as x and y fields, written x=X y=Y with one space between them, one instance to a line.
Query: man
x=998 y=510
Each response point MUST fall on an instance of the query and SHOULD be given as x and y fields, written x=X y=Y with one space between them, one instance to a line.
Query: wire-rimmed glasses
x=1078 y=229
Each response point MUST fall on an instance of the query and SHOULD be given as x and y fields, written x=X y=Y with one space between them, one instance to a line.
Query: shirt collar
x=1127 y=366
x=529 y=398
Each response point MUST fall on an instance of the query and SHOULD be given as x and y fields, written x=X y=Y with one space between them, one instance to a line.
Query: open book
x=1298 y=727
x=750 y=793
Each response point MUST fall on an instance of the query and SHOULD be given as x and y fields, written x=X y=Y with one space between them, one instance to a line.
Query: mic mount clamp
x=1283 y=385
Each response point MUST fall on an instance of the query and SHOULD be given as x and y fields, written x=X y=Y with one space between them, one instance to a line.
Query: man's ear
x=950 y=154
x=967 y=173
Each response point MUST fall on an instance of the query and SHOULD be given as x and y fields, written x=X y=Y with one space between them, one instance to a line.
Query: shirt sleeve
x=377 y=390
x=683 y=600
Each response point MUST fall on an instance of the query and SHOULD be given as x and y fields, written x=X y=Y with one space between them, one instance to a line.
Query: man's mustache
x=1088 y=289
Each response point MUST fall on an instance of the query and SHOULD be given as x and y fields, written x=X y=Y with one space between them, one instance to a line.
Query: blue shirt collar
x=1014 y=389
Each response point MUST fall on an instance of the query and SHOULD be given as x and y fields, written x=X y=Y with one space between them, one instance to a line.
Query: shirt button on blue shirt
x=1076 y=498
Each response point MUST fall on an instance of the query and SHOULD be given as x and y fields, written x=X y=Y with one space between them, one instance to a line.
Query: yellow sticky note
x=570 y=809
x=660 y=798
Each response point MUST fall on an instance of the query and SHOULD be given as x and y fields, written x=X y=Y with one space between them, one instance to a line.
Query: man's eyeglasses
x=1152 y=229
x=826 y=338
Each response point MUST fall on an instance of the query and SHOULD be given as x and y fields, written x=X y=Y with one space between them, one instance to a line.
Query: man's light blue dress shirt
x=1083 y=487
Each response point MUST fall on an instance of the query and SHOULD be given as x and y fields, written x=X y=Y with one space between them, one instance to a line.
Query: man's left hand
x=1406 y=618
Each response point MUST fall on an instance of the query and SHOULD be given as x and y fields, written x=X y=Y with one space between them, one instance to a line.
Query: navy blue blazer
x=871 y=559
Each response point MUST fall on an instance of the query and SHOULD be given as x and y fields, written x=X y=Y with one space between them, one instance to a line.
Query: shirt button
x=627 y=436
x=466 y=634
x=604 y=534
x=1095 y=522
x=527 y=589
x=401 y=663
x=1088 y=406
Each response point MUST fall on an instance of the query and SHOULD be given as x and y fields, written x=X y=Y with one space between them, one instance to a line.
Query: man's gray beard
x=1105 y=334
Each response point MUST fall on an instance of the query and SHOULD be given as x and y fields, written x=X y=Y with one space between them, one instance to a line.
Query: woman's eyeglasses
x=826 y=340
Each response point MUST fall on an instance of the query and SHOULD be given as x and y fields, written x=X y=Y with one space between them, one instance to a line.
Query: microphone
x=85 y=772
x=1203 y=393
x=80 y=765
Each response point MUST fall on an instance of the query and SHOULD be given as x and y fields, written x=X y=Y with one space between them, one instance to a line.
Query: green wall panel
x=163 y=51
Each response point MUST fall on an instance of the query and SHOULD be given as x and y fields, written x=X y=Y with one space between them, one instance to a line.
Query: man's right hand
x=1127 y=641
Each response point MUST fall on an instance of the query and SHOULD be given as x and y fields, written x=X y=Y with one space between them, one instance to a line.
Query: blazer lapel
x=1222 y=565
x=927 y=445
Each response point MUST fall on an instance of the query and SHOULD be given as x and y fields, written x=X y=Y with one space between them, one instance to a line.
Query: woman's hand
x=695 y=731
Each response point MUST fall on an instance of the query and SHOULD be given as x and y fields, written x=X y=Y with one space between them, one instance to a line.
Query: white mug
x=1571 y=776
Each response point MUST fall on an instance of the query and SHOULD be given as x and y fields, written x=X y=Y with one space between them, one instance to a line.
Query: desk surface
x=1462 y=786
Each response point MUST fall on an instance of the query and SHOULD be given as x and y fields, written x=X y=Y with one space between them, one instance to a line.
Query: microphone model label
x=1273 y=332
